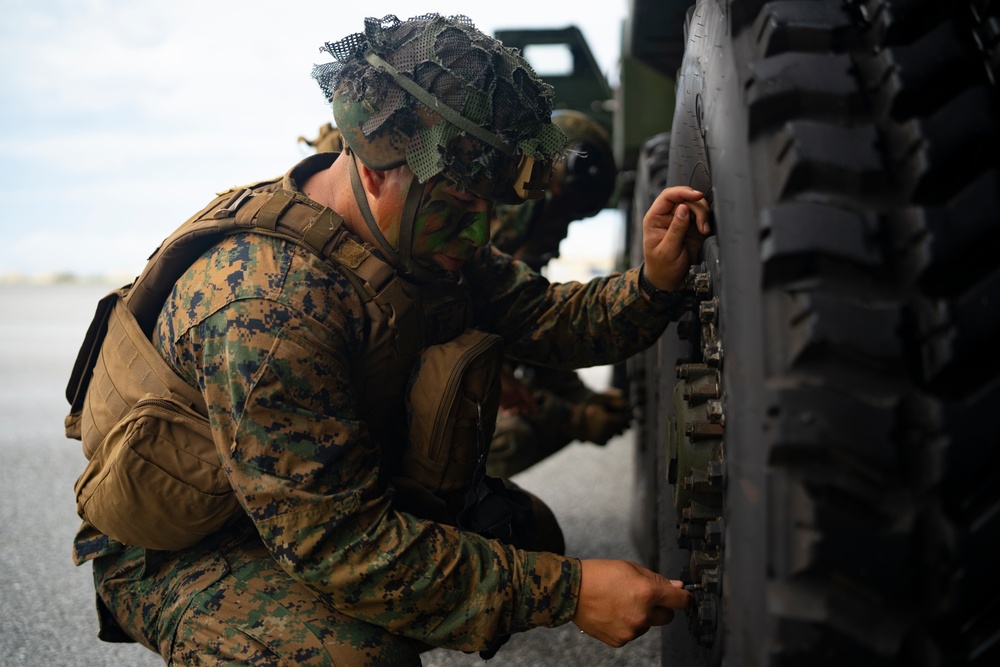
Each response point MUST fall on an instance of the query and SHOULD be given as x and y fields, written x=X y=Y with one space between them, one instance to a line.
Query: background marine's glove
x=601 y=417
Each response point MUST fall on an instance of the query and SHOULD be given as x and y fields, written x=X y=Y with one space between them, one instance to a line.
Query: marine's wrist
x=654 y=293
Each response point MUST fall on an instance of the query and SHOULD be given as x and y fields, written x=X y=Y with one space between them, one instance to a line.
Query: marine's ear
x=372 y=179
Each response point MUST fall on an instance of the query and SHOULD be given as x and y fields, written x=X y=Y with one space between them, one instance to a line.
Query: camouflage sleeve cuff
x=657 y=306
x=655 y=294
x=552 y=587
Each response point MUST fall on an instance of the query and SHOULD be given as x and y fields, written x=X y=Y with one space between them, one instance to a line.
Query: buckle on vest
x=233 y=204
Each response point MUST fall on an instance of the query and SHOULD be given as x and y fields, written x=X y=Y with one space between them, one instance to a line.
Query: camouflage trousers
x=228 y=602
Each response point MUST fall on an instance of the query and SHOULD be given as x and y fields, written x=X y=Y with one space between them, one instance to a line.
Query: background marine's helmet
x=440 y=96
x=587 y=175
x=582 y=184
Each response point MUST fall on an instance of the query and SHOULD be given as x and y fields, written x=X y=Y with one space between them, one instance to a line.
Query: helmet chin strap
x=401 y=258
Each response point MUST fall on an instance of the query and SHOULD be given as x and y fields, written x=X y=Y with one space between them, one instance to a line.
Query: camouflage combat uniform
x=324 y=569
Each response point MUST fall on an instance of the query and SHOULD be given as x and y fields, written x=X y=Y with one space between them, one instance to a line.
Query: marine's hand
x=601 y=417
x=670 y=243
x=619 y=600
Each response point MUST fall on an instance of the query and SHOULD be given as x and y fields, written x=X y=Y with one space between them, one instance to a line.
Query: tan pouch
x=155 y=481
x=154 y=478
x=127 y=368
x=452 y=404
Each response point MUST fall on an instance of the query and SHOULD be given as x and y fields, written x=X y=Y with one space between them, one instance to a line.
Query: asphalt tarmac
x=47 y=616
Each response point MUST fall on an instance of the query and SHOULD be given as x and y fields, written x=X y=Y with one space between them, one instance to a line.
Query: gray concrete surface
x=47 y=615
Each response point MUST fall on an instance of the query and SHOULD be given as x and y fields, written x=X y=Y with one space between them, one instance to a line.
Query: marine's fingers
x=678 y=226
x=673 y=596
x=701 y=211
x=668 y=199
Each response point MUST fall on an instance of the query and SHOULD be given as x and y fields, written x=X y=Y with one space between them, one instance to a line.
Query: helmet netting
x=474 y=74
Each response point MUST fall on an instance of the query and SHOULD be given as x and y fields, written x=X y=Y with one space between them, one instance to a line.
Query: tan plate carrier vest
x=154 y=477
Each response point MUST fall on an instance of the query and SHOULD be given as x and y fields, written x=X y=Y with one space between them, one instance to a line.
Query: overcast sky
x=120 y=118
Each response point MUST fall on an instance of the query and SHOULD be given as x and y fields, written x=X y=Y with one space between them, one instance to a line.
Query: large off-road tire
x=849 y=150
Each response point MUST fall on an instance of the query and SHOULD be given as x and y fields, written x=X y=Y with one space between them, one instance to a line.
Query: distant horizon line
x=588 y=265
x=64 y=278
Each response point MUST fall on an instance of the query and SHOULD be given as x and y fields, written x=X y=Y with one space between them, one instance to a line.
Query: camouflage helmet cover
x=438 y=95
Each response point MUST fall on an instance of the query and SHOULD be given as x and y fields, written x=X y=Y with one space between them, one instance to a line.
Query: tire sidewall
x=710 y=137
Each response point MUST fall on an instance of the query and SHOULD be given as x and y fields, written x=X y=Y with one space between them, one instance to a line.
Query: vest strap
x=320 y=229
x=288 y=215
x=275 y=207
x=246 y=215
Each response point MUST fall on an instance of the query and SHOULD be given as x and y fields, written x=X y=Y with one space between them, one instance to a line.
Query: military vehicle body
x=814 y=447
